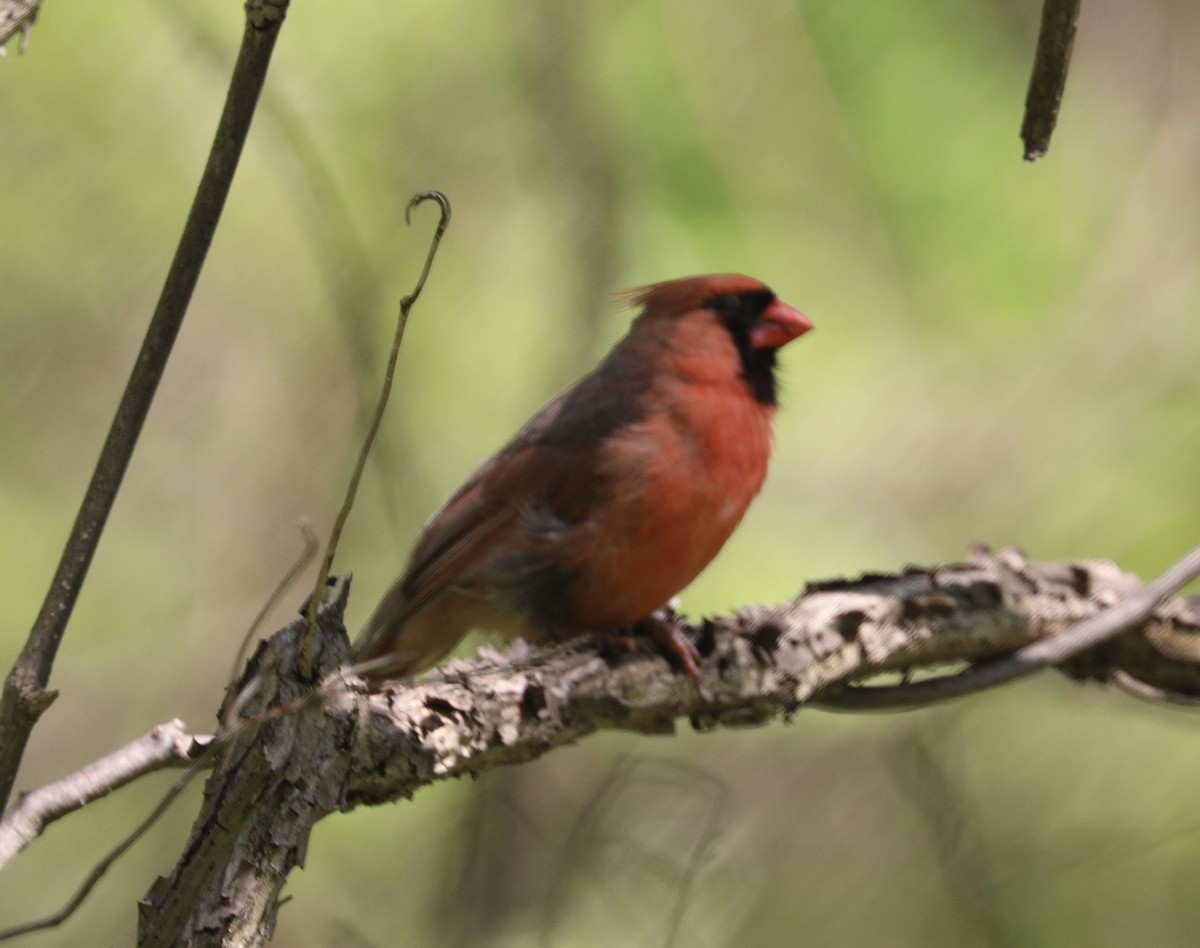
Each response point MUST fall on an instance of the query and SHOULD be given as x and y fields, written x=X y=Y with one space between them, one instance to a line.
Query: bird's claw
x=670 y=638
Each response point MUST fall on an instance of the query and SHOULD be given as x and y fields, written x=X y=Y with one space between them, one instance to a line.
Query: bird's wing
x=547 y=479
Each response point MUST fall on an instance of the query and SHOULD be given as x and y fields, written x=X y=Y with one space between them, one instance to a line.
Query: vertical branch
x=25 y=695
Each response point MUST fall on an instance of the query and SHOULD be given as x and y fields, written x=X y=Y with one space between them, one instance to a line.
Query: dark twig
x=406 y=305
x=1049 y=77
x=25 y=694
x=1051 y=651
x=350 y=271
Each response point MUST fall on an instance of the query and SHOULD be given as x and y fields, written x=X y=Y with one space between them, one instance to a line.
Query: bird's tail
x=402 y=638
x=378 y=650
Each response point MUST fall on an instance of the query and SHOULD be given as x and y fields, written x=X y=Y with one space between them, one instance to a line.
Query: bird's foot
x=670 y=638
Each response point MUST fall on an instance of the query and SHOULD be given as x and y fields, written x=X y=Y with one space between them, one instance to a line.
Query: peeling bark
x=270 y=784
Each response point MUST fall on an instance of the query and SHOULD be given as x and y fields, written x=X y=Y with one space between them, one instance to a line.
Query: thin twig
x=1049 y=77
x=406 y=305
x=25 y=694
x=1152 y=693
x=305 y=557
x=350 y=271
x=1051 y=651
x=161 y=746
x=98 y=871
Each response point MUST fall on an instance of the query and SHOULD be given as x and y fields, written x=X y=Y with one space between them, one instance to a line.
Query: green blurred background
x=1005 y=353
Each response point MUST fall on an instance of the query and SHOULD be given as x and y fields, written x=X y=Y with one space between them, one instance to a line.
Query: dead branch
x=162 y=746
x=270 y=785
x=165 y=746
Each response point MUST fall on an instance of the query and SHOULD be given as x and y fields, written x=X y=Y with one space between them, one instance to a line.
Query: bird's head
x=758 y=322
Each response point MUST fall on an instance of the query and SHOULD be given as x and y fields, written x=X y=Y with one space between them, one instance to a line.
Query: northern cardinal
x=610 y=499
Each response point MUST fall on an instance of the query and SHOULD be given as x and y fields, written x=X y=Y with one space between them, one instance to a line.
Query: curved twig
x=443 y=203
x=406 y=305
x=1152 y=693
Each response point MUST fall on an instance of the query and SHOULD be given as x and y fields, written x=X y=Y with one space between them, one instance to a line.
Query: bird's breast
x=680 y=481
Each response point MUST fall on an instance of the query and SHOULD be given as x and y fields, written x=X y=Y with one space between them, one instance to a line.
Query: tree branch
x=1050 y=651
x=166 y=745
x=273 y=782
x=25 y=696
x=162 y=746
x=765 y=663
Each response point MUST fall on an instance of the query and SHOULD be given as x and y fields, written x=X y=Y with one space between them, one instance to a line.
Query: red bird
x=610 y=499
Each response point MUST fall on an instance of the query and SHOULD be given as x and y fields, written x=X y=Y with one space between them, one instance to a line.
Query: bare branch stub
x=307 y=552
x=1056 y=37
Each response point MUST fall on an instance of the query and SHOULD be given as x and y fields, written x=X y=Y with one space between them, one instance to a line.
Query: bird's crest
x=688 y=293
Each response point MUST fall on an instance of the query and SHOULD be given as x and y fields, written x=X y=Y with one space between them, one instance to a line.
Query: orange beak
x=778 y=325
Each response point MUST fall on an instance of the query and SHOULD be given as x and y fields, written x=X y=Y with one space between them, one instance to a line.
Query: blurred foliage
x=1006 y=353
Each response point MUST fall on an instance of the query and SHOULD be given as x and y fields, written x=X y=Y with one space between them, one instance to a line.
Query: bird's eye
x=726 y=304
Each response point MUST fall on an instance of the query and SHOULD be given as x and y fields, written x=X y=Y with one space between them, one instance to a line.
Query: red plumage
x=614 y=496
